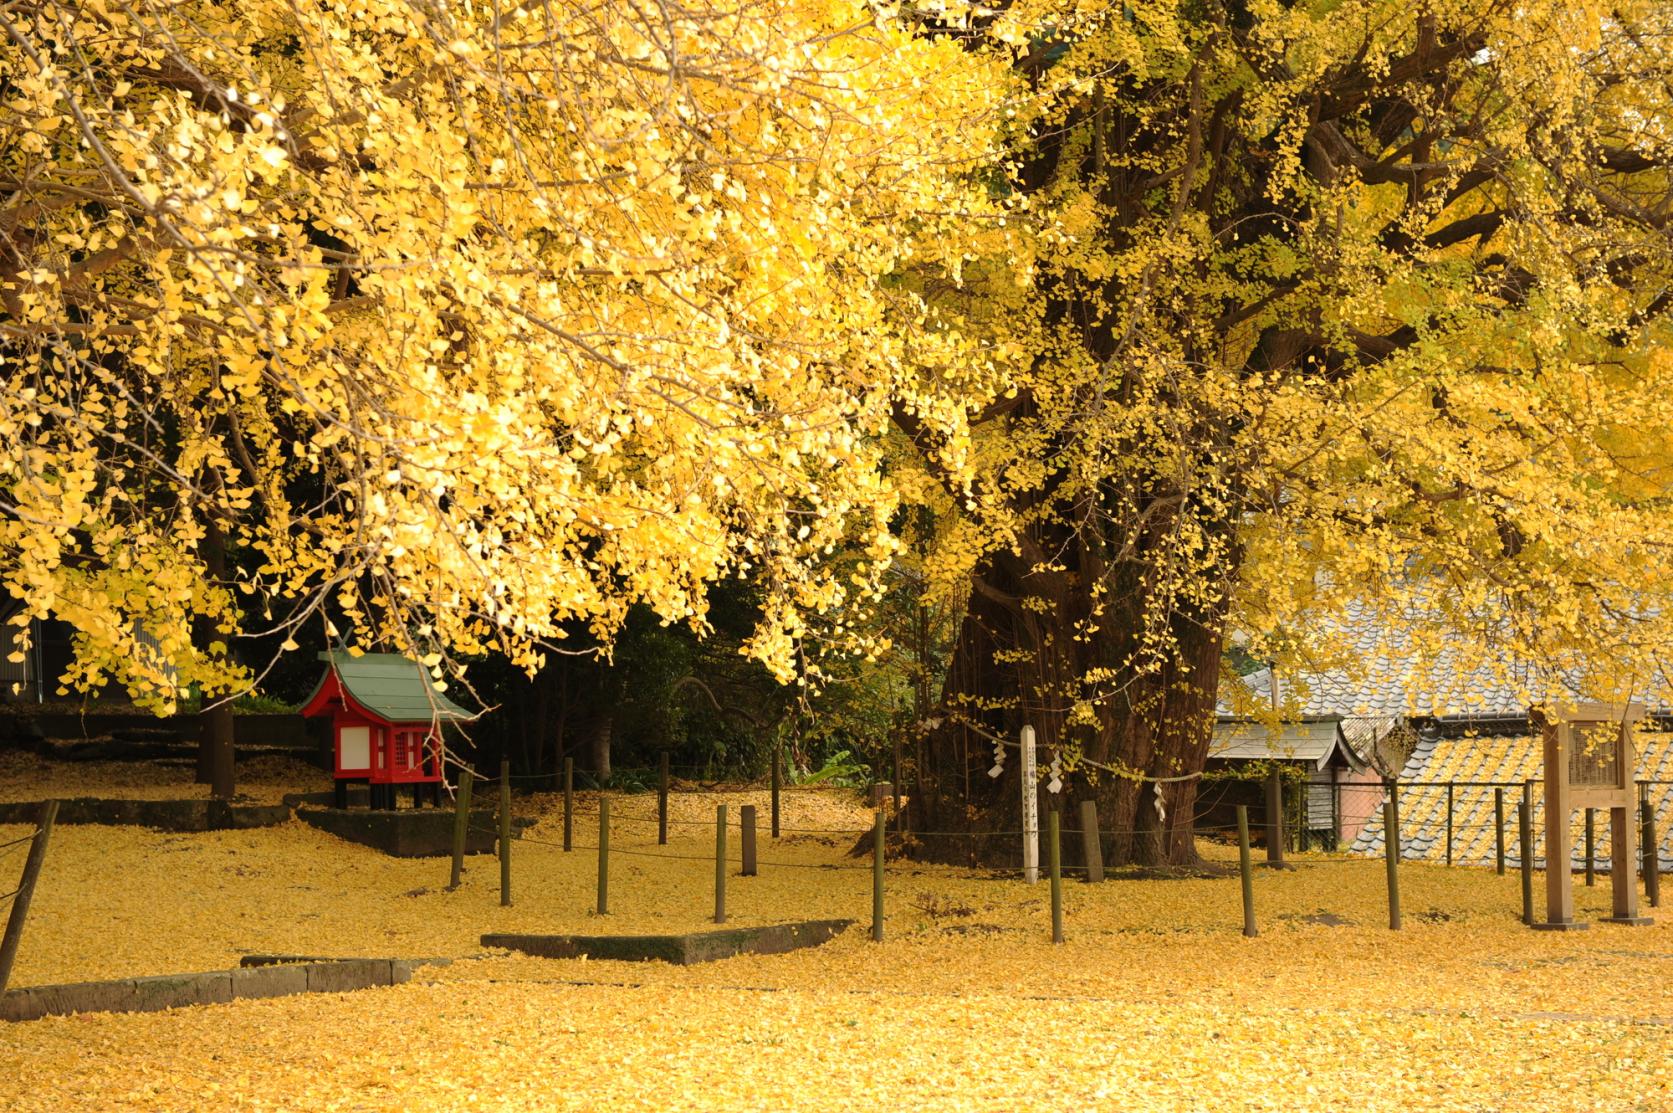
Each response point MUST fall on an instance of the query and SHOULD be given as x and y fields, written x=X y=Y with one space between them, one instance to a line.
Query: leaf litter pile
x=1155 y=1002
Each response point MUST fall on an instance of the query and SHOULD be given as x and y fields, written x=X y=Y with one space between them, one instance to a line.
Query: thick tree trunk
x=1023 y=657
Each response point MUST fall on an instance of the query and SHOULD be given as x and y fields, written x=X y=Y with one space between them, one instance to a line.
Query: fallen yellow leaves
x=1155 y=1002
x=27 y=776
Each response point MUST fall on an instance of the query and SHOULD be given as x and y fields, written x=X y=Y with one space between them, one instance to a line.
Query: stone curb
x=170 y=991
x=681 y=950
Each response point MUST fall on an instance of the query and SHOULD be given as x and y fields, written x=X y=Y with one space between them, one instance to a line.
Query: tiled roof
x=1376 y=668
x=394 y=687
x=1509 y=760
x=1311 y=743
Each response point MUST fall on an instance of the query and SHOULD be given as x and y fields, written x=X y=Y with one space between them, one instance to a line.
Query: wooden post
x=1499 y=830
x=720 y=863
x=662 y=800
x=1449 y=823
x=568 y=803
x=461 y=825
x=1391 y=850
x=1652 y=852
x=25 y=891
x=1623 y=859
x=1247 y=871
x=778 y=762
x=505 y=832
x=877 y=851
x=1091 y=843
x=603 y=905
x=1591 y=847
x=746 y=818
x=1525 y=820
x=1054 y=862
x=1274 y=817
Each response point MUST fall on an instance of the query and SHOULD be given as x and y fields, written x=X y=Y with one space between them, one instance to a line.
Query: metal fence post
x=720 y=863
x=1499 y=830
x=1391 y=848
x=505 y=833
x=568 y=803
x=1247 y=871
x=1449 y=786
x=877 y=850
x=1055 y=864
x=662 y=800
x=603 y=904
x=746 y=823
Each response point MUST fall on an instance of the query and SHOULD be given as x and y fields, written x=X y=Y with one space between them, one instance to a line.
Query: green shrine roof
x=394 y=687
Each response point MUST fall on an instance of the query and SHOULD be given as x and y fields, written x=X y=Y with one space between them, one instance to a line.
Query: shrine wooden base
x=408 y=833
x=1570 y=925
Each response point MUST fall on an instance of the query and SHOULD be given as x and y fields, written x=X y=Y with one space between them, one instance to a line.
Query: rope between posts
x=18 y=841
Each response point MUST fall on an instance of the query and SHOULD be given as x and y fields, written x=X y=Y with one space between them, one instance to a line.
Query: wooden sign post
x=1030 y=811
x=1589 y=763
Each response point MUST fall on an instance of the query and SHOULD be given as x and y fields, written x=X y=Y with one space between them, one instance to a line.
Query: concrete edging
x=681 y=950
x=274 y=978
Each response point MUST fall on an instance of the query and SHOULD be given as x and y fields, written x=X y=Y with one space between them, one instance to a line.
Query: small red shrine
x=386 y=721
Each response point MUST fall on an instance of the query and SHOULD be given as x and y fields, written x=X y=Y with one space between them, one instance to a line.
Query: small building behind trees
x=1329 y=786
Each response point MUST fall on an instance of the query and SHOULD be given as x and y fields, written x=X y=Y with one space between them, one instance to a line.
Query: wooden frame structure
x=1589 y=763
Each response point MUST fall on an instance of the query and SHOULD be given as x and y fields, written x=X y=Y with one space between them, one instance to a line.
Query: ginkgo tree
x=455 y=327
x=1361 y=302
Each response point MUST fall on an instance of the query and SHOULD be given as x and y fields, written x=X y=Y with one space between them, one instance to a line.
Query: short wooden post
x=877 y=850
x=746 y=819
x=1449 y=823
x=778 y=761
x=662 y=800
x=1591 y=847
x=1092 y=844
x=1054 y=862
x=1499 y=830
x=1391 y=849
x=1248 y=872
x=505 y=833
x=25 y=890
x=1274 y=817
x=1525 y=820
x=568 y=803
x=603 y=905
x=1652 y=852
x=461 y=826
x=720 y=863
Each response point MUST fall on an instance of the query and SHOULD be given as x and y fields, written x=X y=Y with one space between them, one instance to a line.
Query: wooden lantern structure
x=386 y=721
x=1589 y=763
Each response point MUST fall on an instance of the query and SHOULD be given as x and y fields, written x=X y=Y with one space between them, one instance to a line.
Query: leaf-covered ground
x=1155 y=1002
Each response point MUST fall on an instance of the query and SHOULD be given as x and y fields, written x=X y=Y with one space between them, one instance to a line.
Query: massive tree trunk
x=1029 y=651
